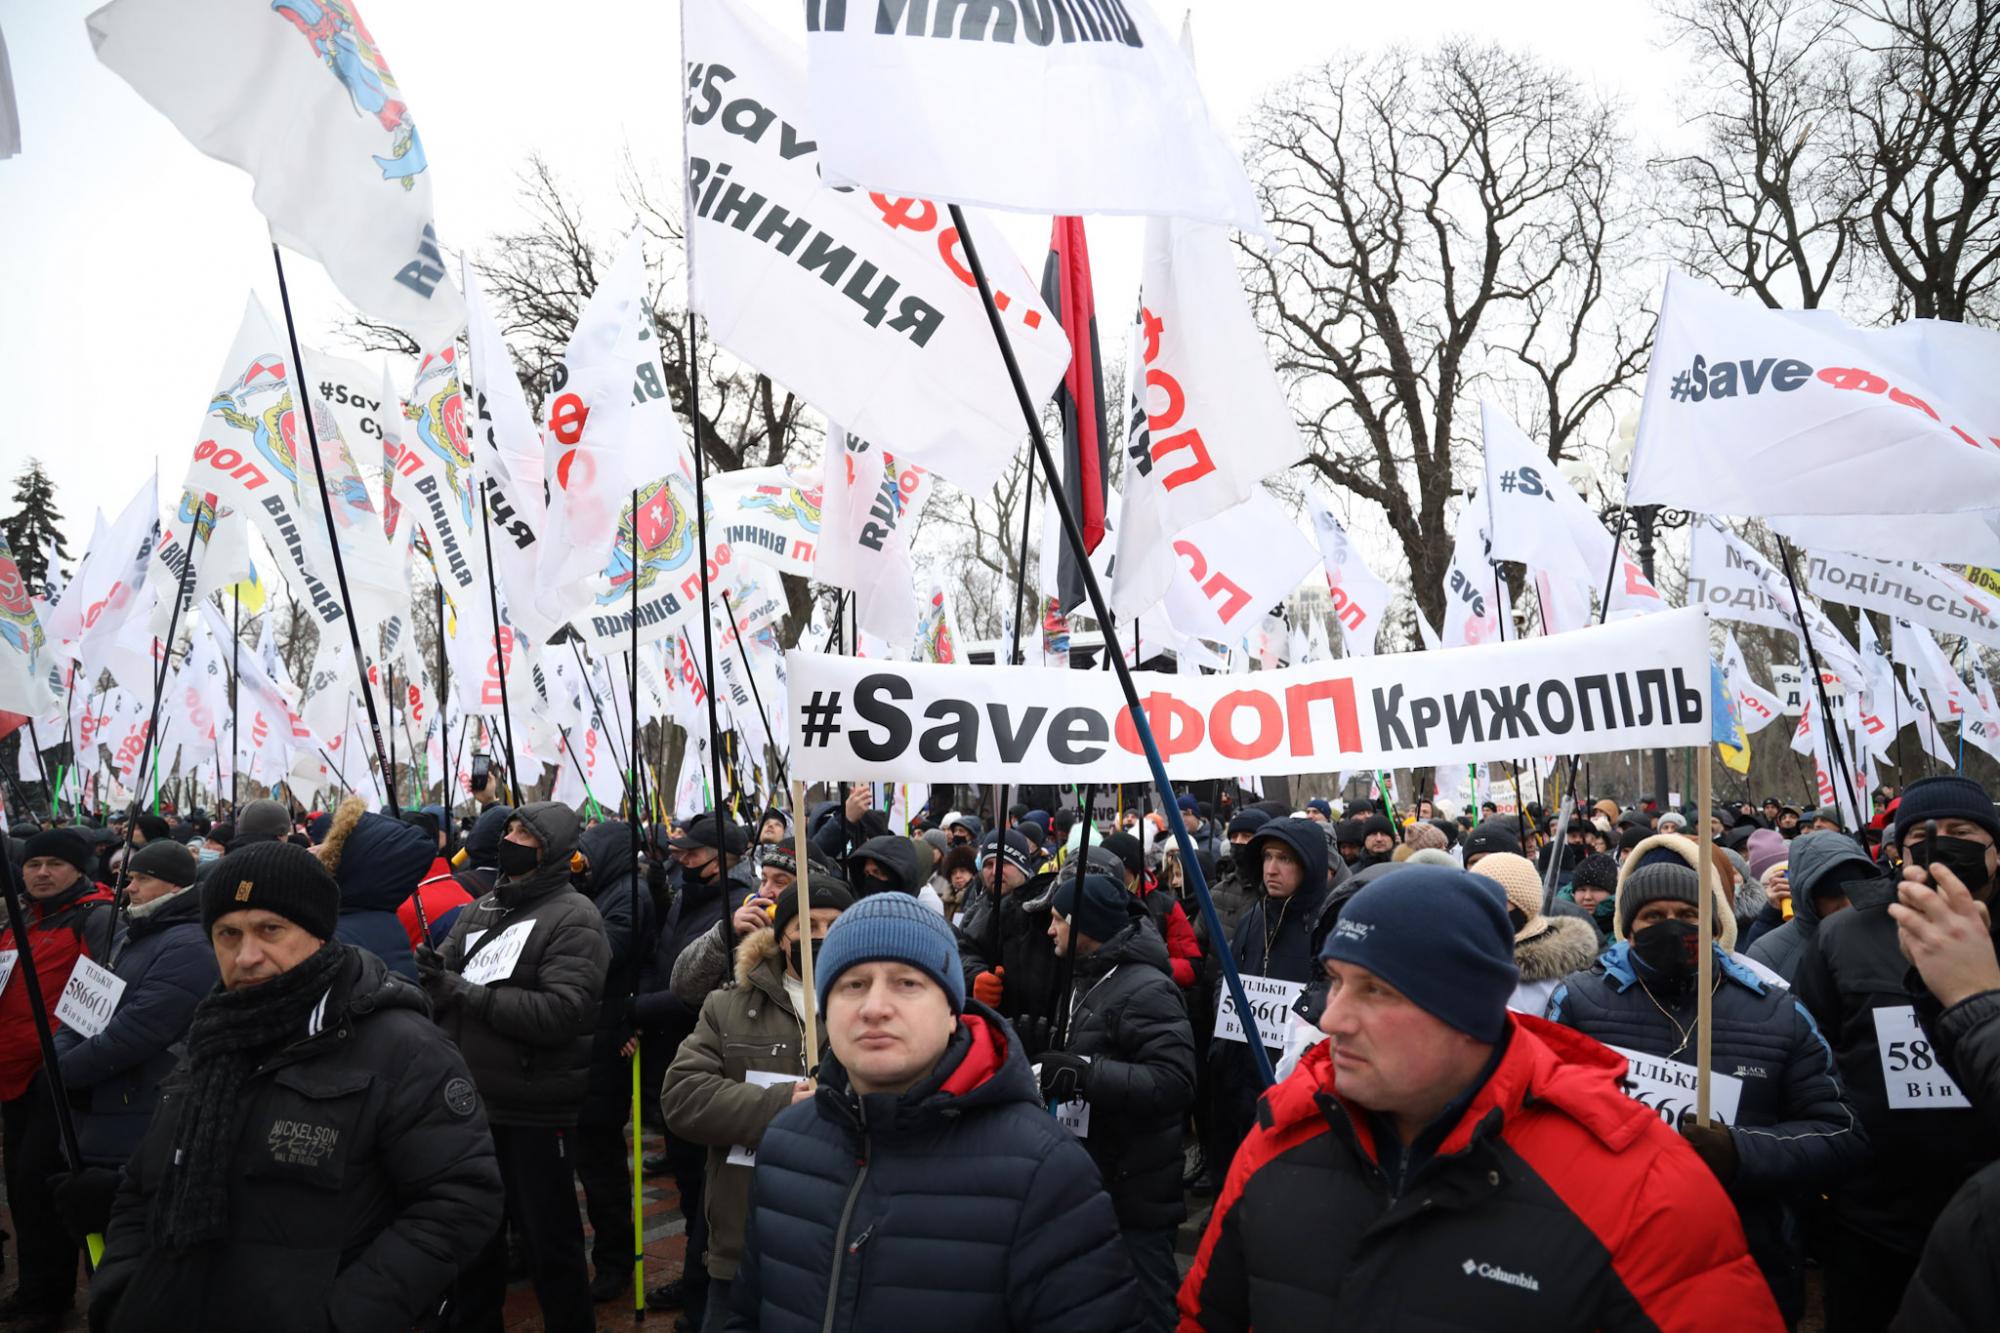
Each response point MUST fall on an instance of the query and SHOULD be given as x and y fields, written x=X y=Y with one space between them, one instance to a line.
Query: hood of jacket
x=608 y=848
x=1306 y=842
x=1545 y=1063
x=1819 y=860
x=1138 y=944
x=759 y=963
x=893 y=854
x=1568 y=945
x=1689 y=851
x=482 y=845
x=377 y=861
x=982 y=1066
x=558 y=828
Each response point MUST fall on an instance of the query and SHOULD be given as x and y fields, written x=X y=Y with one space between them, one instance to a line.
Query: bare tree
x=1852 y=149
x=1447 y=222
x=1769 y=205
x=1923 y=137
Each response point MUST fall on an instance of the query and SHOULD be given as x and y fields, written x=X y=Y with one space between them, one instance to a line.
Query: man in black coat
x=516 y=984
x=923 y=1184
x=1854 y=980
x=1123 y=1079
x=320 y=1159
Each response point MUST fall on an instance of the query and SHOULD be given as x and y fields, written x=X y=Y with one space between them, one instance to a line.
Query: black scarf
x=232 y=1033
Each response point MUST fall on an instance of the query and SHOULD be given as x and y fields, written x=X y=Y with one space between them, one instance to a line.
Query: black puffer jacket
x=1130 y=1021
x=363 y=1180
x=527 y=1036
x=1957 y=1284
x=960 y=1204
x=1794 y=1132
x=622 y=903
x=1852 y=968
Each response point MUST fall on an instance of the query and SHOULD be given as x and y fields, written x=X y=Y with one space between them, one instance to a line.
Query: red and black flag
x=1086 y=463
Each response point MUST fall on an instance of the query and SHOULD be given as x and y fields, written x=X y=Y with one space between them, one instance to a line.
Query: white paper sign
x=740 y=1154
x=1270 y=999
x=1910 y=1070
x=497 y=960
x=1668 y=1087
x=1074 y=1116
x=89 y=997
x=8 y=957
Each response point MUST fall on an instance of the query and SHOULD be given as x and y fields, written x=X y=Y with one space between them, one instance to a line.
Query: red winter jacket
x=1183 y=949
x=57 y=931
x=1555 y=1202
x=440 y=892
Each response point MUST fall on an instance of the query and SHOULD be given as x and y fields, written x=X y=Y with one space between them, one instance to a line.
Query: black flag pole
x=635 y=787
x=1826 y=719
x=499 y=652
x=1101 y=610
x=701 y=538
x=304 y=409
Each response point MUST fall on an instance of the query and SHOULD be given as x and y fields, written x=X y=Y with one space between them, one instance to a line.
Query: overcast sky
x=125 y=254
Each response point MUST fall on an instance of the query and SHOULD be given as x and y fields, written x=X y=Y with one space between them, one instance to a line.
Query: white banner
x=1631 y=684
x=1924 y=593
x=862 y=304
x=1728 y=578
x=933 y=104
x=1751 y=411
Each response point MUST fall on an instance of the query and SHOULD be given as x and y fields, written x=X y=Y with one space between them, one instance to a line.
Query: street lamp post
x=1646 y=521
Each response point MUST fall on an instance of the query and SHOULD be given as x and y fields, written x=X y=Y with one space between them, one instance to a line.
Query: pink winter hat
x=1766 y=848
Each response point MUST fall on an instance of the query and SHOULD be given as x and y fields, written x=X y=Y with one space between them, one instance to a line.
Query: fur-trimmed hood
x=1689 y=851
x=1568 y=945
x=377 y=860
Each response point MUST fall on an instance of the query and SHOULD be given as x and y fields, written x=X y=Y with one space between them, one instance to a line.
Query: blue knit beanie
x=1440 y=936
x=891 y=927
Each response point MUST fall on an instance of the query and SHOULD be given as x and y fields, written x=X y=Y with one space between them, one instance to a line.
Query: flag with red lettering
x=1066 y=290
x=24 y=677
x=870 y=503
x=1233 y=568
x=1475 y=609
x=862 y=304
x=1792 y=415
x=1207 y=419
x=298 y=94
x=1360 y=599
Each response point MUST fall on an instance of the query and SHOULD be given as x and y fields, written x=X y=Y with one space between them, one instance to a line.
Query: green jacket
x=747 y=1025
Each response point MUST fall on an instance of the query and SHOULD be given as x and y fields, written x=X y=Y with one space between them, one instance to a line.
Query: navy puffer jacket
x=960 y=1204
x=1794 y=1130
x=378 y=862
x=164 y=958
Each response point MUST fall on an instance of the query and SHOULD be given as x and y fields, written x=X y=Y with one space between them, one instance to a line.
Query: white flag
x=1206 y=419
x=1756 y=707
x=1728 y=577
x=610 y=431
x=862 y=304
x=1233 y=568
x=768 y=515
x=870 y=505
x=1360 y=599
x=939 y=105
x=1535 y=517
x=1984 y=729
x=296 y=93
x=10 y=114
x=24 y=677
x=1473 y=592
x=1751 y=411
x=1922 y=592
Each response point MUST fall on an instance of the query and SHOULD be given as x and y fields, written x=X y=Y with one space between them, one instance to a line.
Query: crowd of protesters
x=359 y=1066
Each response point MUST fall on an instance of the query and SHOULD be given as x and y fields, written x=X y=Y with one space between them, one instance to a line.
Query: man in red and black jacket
x=1440 y=1161
x=68 y=915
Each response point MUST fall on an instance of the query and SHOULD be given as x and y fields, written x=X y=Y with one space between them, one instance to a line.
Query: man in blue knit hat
x=1446 y=1163
x=923 y=1183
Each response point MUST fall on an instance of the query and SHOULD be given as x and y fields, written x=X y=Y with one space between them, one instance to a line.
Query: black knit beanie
x=273 y=877
x=62 y=844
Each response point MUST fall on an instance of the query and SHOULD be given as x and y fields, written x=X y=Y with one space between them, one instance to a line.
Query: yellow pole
x=638 y=1201
x=805 y=925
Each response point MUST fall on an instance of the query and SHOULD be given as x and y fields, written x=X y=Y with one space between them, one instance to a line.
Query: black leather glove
x=1065 y=1076
x=430 y=964
x=1715 y=1145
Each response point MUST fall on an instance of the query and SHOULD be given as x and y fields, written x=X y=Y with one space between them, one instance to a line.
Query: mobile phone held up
x=482 y=769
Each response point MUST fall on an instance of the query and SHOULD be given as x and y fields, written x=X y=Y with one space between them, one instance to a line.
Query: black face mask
x=1666 y=950
x=516 y=859
x=1249 y=865
x=1965 y=859
x=796 y=955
